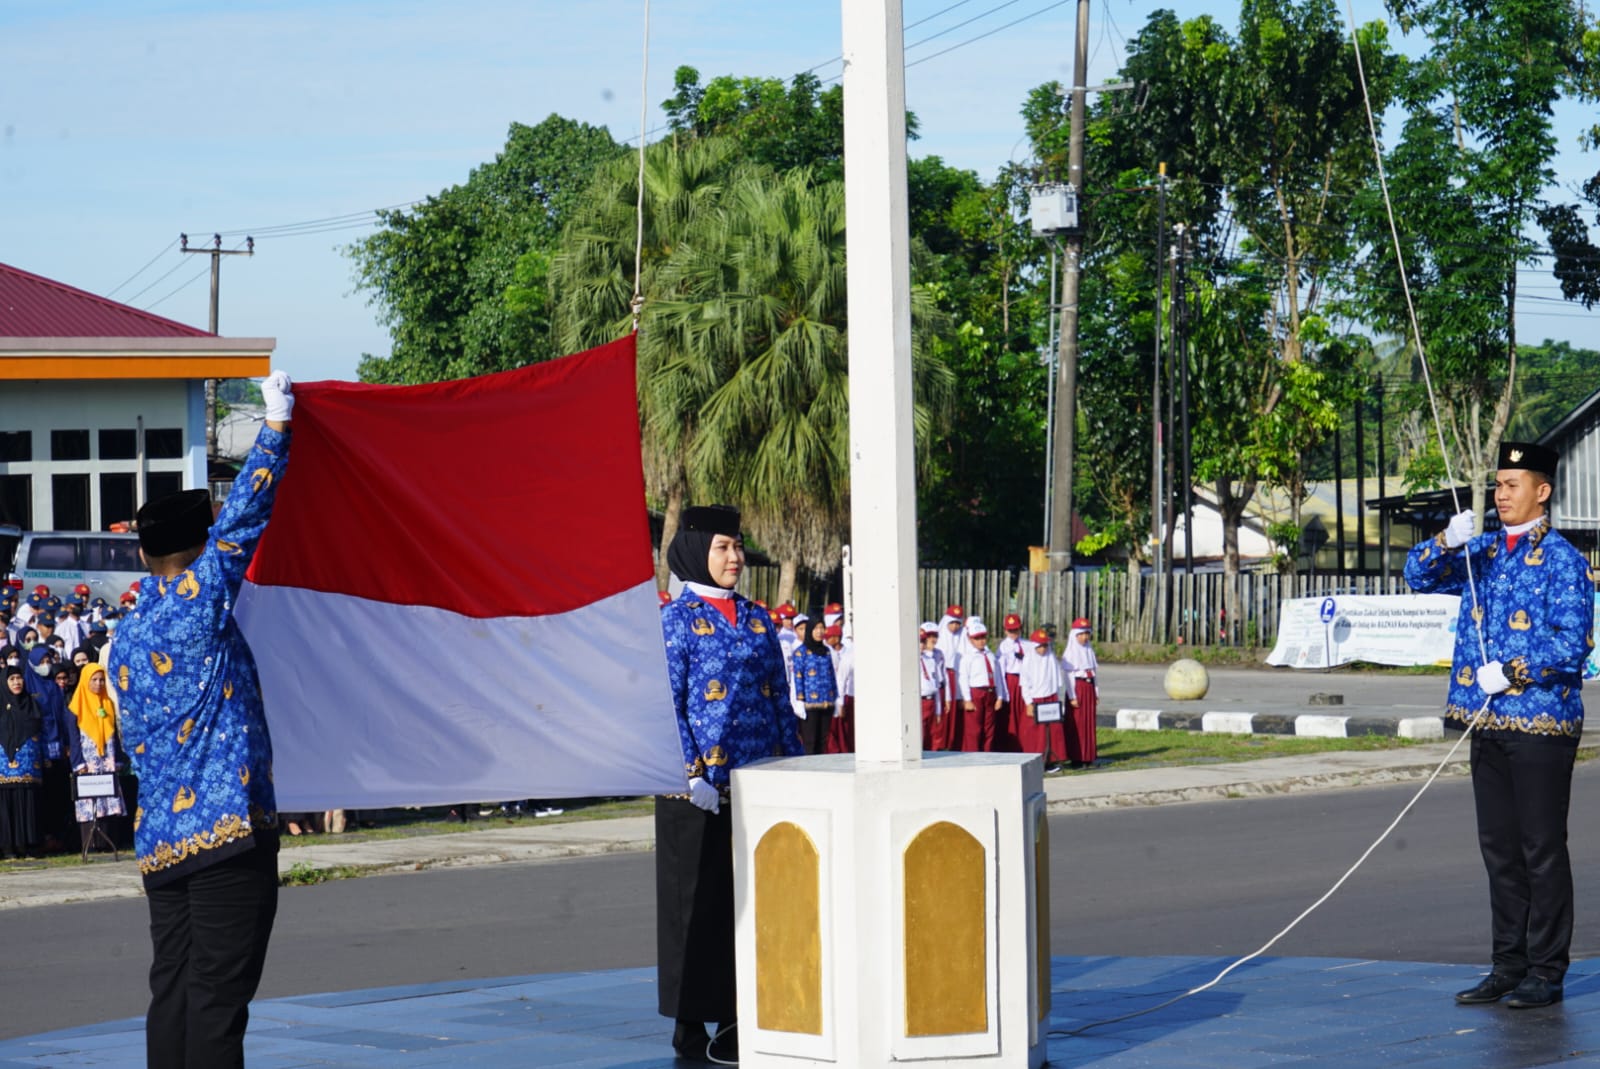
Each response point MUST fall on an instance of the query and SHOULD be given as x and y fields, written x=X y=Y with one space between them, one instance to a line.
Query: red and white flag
x=454 y=600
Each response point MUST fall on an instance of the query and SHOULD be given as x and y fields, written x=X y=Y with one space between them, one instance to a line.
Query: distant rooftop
x=32 y=306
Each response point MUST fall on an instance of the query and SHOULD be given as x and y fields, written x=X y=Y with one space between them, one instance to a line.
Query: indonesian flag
x=454 y=600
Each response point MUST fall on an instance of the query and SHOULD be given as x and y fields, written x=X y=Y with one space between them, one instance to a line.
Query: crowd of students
x=58 y=722
x=1019 y=697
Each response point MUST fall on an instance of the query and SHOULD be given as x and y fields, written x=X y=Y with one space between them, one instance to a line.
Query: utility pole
x=1383 y=489
x=1067 y=374
x=1180 y=316
x=1157 y=440
x=216 y=252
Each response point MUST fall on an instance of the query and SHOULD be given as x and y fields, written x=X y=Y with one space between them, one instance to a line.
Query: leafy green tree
x=801 y=125
x=460 y=279
x=759 y=306
x=1468 y=180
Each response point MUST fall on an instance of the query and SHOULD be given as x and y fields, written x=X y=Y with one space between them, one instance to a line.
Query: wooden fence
x=1202 y=609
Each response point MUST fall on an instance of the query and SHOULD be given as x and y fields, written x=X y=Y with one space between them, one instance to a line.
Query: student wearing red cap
x=1079 y=664
x=981 y=690
x=1008 y=729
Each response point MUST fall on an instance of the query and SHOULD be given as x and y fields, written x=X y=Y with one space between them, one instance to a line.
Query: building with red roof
x=102 y=405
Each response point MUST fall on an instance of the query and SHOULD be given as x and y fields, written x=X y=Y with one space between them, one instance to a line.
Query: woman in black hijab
x=731 y=694
x=21 y=765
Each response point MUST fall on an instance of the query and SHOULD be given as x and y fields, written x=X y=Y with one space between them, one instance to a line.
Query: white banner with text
x=1398 y=629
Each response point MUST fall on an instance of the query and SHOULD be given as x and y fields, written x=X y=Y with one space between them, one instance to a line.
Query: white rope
x=1411 y=312
x=1308 y=910
x=644 y=116
x=1416 y=334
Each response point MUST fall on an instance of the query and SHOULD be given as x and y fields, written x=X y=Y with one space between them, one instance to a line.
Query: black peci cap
x=1526 y=456
x=174 y=523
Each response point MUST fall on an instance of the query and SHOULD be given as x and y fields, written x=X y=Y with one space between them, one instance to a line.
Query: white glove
x=799 y=708
x=704 y=795
x=278 y=392
x=1492 y=678
x=1459 y=532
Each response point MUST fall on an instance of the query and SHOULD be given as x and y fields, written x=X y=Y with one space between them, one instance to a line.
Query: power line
x=164 y=250
x=990 y=33
x=156 y=281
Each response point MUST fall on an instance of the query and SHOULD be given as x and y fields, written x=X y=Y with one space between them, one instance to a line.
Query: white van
x=107 y=562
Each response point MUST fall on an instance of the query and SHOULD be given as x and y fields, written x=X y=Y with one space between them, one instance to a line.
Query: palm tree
x=759 y=307
x=592 y=283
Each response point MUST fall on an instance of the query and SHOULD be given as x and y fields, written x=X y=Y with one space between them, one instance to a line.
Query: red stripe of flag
x=514 y=494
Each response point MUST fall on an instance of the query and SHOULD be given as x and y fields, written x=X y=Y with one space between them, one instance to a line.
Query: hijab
x=689 y=555
x=1079 y=656
x=812 y=644
x=96 y=713
x=19 y=715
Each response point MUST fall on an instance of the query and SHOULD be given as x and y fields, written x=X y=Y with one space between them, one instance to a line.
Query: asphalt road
x=1218 y=878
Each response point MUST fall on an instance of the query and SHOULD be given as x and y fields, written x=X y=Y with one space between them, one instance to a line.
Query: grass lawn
x=1156 y=749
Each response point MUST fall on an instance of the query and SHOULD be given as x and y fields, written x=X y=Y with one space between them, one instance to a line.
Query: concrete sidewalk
x=539 y=840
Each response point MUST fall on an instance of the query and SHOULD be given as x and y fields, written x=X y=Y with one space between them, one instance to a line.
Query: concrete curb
x=1305 y=725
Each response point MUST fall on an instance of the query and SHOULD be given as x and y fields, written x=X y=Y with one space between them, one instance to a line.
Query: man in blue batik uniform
x=206 y=827
x=1532 y=596
x=731 y=693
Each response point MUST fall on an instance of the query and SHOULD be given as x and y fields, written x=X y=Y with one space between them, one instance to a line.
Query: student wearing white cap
x=982 y=689
x=931 y=681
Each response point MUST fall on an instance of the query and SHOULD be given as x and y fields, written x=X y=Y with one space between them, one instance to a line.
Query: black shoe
x=1491 y=988
x=689 y=1041
x=1535 y=991
x=724 y=1049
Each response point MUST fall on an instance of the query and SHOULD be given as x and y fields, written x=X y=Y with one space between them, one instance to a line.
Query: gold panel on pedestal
x=1041 y=908
x=788 y=932
x=946 y=925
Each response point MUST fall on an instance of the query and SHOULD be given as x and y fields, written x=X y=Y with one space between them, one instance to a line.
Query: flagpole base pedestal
x=891 y=914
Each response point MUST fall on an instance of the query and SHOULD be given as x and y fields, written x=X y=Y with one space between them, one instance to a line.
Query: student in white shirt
x=932 y=683
x=982 y=689
x=1041 y=696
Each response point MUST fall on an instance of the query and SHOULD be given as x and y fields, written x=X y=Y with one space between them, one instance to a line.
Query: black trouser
x=694 y=912
x=210 y=932
x=814 y=728
x=1522 y=787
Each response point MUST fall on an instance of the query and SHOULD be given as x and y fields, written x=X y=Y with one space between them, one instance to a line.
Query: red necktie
x=988 y=666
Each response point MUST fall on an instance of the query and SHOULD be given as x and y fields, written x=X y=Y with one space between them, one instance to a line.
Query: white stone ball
x=1187 y=680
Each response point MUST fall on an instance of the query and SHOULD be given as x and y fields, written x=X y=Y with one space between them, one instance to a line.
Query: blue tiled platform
x=1273 y=1011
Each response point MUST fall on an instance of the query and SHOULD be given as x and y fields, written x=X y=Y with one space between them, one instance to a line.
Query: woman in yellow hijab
x=95 y=748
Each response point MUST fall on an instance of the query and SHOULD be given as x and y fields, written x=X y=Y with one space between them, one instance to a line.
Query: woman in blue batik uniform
x=21 y=764
x=1532 y=595
x=816 y=689
x=190 y=714
x=731 y=694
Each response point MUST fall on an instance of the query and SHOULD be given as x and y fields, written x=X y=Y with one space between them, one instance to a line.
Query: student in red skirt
x=1039 y=720
x=1008 y=729
x=932 y=684
x=1079 y=665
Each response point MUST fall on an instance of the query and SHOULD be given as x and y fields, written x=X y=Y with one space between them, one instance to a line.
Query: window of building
x=163 y=443
x=69 y=499
x=16 y=503
x=16 y=446
x=119 y=445
x=159 y=484
x=116 y=497
x=69 y=445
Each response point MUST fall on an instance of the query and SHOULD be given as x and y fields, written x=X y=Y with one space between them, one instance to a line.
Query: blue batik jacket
x=729 y=687
x=1536 y=607
x=814 y=680
x=189 y=700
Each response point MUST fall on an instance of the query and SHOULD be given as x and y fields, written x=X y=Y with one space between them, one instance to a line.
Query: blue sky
x=124 y=124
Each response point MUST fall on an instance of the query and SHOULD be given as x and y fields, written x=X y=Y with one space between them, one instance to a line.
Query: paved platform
x=1271 y=1012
